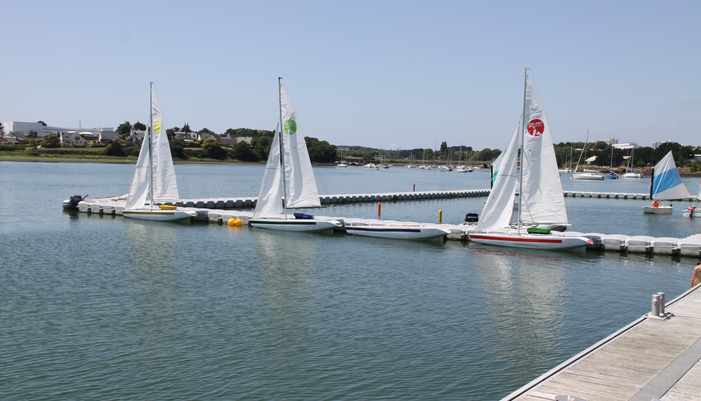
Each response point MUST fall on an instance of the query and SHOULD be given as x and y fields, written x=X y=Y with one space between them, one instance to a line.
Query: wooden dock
x=650 y=359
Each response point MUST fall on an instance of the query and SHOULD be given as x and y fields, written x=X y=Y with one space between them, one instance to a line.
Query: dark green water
x=105 y=308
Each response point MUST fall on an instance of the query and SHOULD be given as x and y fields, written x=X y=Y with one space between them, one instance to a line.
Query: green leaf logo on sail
x=291 y=126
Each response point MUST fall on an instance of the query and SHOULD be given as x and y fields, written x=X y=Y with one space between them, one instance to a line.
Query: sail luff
x=498 y=209
x=270 y=196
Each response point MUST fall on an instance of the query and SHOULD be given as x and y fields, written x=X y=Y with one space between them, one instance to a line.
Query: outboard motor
x=73 y=201
x=471 y=218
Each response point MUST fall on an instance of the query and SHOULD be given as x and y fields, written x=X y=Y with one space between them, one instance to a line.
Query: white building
x=22 y=129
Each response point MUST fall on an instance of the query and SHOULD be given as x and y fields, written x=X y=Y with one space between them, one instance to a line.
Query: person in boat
x=655 y=203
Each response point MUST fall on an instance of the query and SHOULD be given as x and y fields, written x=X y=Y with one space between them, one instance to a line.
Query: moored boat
x=527 y=166
x=518 y=239
x=588 y=176
x=396 y=230
x=154 y=182
x=288 y=184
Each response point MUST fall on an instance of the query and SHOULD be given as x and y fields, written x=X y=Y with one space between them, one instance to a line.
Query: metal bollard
x=657 y=305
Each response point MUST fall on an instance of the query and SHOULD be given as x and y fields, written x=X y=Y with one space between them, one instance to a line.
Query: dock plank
x=653 y=359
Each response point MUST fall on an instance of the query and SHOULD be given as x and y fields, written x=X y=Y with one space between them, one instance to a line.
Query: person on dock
x=696 y=276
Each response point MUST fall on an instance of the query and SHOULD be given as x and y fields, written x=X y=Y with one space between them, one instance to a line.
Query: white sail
x=139 y=190
x=667 y=183
x=270 y=195
x=165 y=187
x=497 y=211
x=543 y=200
x=301 y=185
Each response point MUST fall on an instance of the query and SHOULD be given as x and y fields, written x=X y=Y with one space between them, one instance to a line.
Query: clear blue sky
x=376 y=73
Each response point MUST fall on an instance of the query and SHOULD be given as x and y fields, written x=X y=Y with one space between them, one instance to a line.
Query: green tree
x=177 y=150
x=444 y=148
x=51 y=141
x=213 y=150
x=244 y=152
x=261 y=145
x=320 y=151
x=186 y=128
x=123 y=130
x=115 y=149
x=139 y=126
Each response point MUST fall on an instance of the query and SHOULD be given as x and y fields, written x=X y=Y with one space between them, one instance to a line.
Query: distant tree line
x=445 y=154
x=568 y=153
x=214 y=146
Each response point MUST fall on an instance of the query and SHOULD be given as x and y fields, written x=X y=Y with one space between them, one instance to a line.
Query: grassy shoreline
x=53 y=158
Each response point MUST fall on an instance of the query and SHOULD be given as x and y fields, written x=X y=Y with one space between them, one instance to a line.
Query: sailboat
x=154 y=181
x=666 y=184
x=288 y=181
x=589 y=175
x=630 y=172
x=527 y=165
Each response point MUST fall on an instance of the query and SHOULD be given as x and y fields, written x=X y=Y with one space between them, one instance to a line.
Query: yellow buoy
x=233 y=222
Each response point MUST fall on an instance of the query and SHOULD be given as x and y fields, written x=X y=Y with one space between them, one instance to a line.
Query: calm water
x=105 y=308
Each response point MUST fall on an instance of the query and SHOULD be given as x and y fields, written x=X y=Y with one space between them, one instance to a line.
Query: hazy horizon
x=386 y=75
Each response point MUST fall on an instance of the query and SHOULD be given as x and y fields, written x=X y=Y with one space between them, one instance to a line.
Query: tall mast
x=520 y=161
x=282 y=148
x=150 y=141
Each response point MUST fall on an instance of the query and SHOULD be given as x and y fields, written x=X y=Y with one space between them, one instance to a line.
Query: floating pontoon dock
x=656 y=357
x=250 y=202
x=219 y=211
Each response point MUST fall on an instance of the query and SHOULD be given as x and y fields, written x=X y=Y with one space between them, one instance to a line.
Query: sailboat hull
x=396 y=231
x=157 y=215
x=588 y=176
x=530 y=241
x=663 y=209
x=292 y=224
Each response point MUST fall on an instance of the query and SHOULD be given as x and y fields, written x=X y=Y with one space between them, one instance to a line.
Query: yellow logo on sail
x=157 y=126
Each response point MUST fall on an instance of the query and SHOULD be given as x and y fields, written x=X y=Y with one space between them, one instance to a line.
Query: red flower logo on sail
x=536 y=127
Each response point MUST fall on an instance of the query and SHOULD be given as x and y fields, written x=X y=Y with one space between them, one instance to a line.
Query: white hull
x=156 y=215
x=696 y=214
x=530 y=241
x=588 y=176
x=664 y=209
x=396 y=231
x=292 y=224
x=632 y=176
